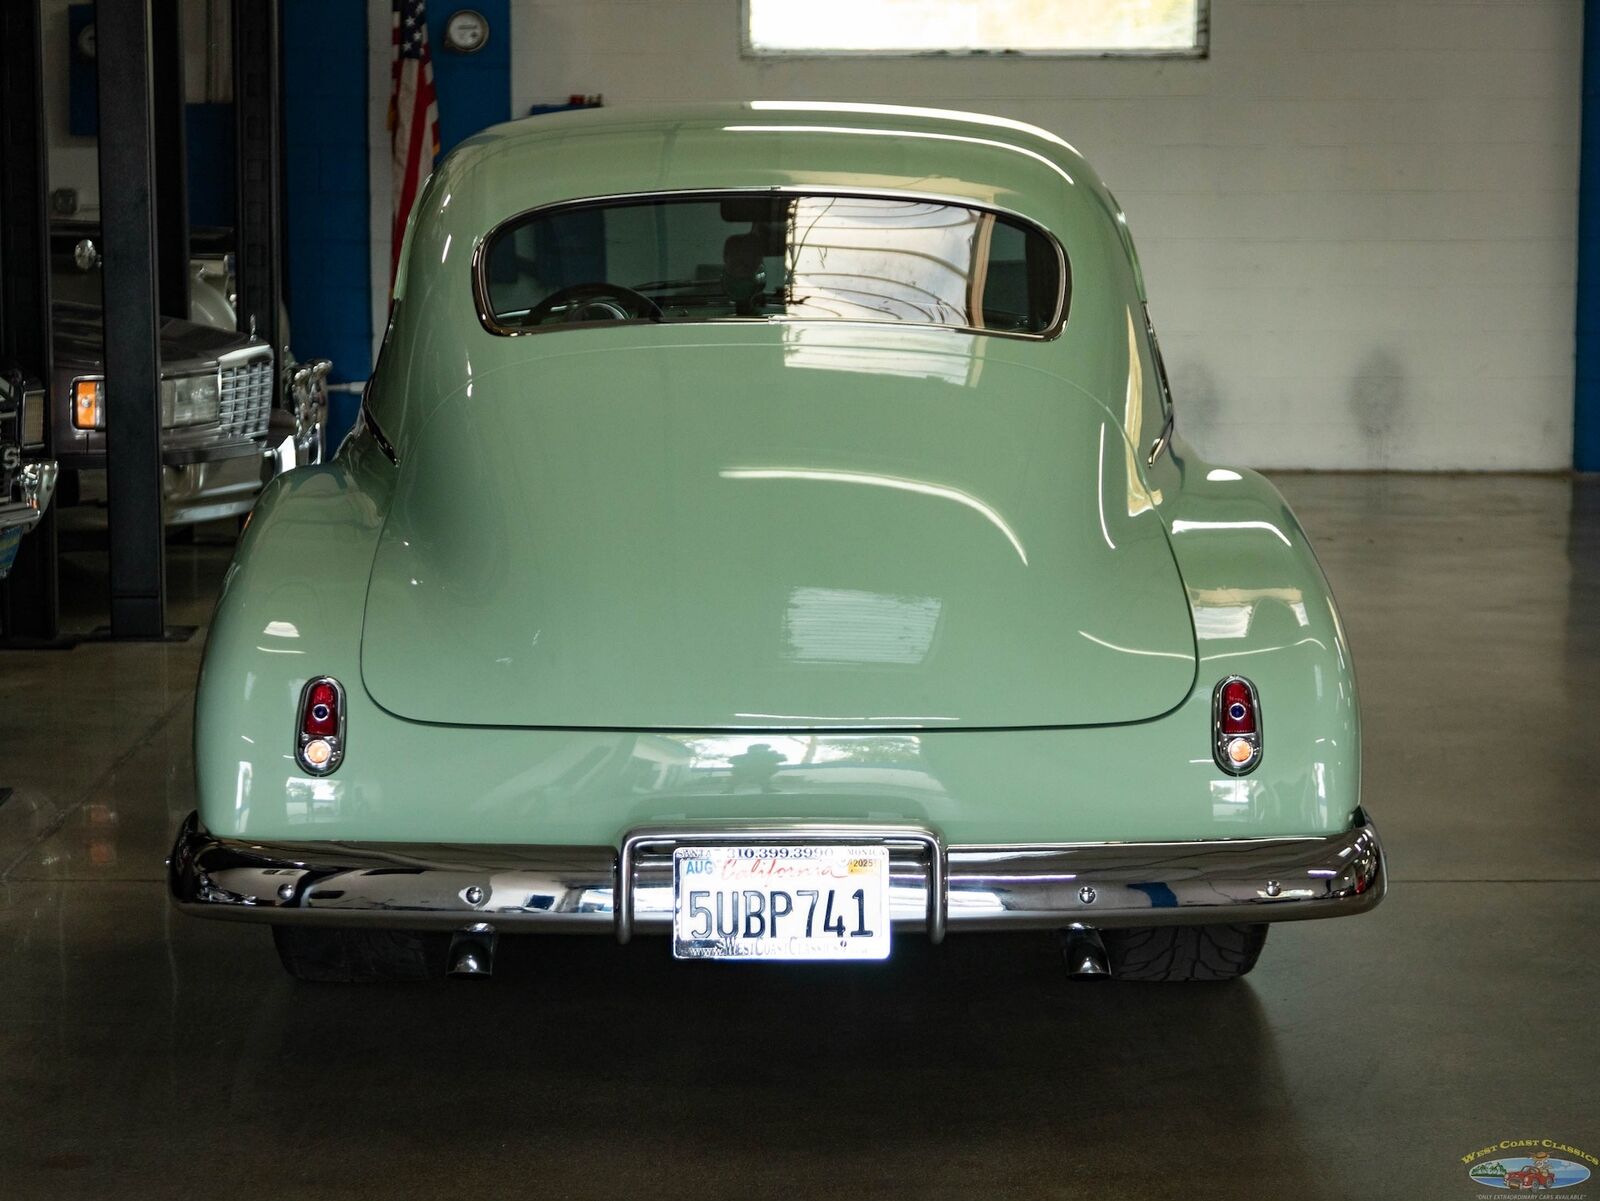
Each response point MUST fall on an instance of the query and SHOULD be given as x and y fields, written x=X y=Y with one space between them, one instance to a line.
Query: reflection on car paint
x=920 y=487
x=850 y=625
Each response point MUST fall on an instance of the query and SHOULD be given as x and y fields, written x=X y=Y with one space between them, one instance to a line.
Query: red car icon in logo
x=1535 y=1175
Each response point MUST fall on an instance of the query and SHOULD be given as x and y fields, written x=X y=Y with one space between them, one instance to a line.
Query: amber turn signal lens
x=318 y=752
x=86 y=403
x=1240 y=751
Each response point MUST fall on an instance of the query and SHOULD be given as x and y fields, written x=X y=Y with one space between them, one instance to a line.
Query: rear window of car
x=770 y=256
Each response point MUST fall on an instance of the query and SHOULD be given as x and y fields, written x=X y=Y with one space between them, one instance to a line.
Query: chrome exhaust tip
x=1085 y=953
x=472 y=951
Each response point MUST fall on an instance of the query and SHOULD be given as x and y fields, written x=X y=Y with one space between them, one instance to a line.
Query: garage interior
x=1370 y=235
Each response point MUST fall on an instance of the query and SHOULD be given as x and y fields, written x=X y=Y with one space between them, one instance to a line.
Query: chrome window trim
x=1058 y=320
x=1165 y=437
x=335 y=741
x=365 y=417
x=1163 y=440
x=1219 y=740
x=378 y=435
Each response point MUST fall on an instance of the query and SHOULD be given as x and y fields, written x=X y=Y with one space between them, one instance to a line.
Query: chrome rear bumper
x=934 y=887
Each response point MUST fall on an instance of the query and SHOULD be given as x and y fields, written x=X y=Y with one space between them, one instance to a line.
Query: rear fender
x=1263 y=609
x=290 y=608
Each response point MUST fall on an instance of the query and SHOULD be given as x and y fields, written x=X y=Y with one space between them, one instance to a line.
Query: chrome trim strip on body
x=378 y=435
x=1058 y=320
x=184 y=456
x=1163 y=440
x=579 y=889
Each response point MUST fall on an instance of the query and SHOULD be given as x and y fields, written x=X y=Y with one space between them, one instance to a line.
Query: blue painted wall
x=326 y=188
x=474 y=89
x=327 y=279
x=1586 y=401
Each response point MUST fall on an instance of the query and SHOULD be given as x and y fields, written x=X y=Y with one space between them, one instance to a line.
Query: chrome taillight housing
x=1236 y=725
x=319 y=736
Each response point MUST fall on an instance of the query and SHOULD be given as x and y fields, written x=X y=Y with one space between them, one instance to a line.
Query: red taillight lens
x=1237 y=709
x=1236 y=741
x=321 y=715
x=319 y=740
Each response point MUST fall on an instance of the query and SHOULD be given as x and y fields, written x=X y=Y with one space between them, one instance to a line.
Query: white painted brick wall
x=1357 y=220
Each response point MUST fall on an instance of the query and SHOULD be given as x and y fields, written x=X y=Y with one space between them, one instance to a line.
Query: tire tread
x=1183 y=953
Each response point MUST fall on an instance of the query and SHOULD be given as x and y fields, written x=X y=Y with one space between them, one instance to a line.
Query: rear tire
x=359 y=956
x=1183 y=953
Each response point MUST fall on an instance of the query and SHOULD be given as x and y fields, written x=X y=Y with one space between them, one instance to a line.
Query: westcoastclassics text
x=1511 y=1143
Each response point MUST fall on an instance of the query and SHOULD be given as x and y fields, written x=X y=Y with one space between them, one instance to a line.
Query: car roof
x=841 y=149
x=991 y=160
x=841 y=115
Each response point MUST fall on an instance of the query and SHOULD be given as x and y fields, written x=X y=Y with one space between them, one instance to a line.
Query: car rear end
x=776 y=633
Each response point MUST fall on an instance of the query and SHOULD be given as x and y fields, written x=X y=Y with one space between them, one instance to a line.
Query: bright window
x=895 y=27
x=772 y=256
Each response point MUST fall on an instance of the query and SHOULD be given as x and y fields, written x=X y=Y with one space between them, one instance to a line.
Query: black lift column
x=132 y=326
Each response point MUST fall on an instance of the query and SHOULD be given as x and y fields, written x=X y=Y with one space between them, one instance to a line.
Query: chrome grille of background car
x=247 y=397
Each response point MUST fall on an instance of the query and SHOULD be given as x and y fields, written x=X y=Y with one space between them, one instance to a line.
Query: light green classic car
x=766 y=528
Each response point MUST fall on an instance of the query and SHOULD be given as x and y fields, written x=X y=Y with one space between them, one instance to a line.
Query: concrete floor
x=142 y=1052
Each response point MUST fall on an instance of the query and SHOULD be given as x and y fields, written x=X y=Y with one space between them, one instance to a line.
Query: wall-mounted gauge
x=466 y=31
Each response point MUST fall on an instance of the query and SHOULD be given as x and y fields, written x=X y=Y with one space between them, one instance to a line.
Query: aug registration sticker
x=780 y=902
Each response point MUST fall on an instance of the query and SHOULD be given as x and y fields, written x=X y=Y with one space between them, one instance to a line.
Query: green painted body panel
x=706 y=536
x=780 y=645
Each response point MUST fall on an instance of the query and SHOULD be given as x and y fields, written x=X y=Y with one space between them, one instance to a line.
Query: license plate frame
x=762 y=893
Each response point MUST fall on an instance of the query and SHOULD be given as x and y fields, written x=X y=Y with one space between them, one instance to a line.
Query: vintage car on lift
x=230 y=419
x=27 y=476
x=766 y=528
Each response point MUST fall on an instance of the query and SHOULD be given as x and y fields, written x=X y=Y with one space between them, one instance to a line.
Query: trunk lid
x=698 y=537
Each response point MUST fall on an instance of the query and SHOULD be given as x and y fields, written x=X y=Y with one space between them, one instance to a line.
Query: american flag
x=413 y=115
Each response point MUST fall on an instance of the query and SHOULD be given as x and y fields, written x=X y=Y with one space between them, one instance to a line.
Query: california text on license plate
x=780 y=902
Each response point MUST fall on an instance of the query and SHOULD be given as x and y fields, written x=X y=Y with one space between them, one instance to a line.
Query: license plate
x=780 y=902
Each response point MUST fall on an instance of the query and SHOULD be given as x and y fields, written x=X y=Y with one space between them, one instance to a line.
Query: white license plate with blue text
x=780 y=902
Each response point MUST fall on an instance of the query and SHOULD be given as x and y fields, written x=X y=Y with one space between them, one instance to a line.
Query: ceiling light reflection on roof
x=908 y=110
x=901 y=133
